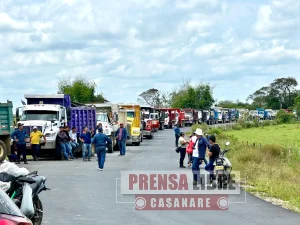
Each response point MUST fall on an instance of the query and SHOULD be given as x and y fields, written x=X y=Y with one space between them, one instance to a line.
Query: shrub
x=237 y=127
x=285 y=117
x=266 y=123
x=273 y=150
x=249 y=125
x=203 y=127
x=216 y=131
x=241 y=122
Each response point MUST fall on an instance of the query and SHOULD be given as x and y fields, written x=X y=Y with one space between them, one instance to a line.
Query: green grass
x=285 y=135
x=272 y=169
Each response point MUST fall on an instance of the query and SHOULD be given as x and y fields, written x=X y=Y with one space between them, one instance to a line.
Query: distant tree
x=80 y=89
x=151 y=97
x=284 y=88
x=188 y=96
x=297 y=106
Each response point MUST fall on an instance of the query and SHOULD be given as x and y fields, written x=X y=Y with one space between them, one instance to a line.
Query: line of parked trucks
x=49 y=112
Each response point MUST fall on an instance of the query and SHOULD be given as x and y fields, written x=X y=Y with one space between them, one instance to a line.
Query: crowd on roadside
x=67 y=140
x=197 y=148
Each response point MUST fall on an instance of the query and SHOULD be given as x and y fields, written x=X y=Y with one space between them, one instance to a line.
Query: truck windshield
x=130 y=114
x=102 y=118
x=40 y=115
x=154 y=116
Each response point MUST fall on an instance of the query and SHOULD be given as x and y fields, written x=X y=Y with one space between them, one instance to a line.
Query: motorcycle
x=15 y=192
x=223 y=168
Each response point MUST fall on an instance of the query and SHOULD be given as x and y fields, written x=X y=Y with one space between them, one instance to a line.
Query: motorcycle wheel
x=220 y=181
x=38 y=211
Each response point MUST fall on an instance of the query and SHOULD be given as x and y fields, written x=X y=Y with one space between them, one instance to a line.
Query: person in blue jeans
x=177 y=134
x=63 y=141
x=19 y=137
x=121 y=135
x=199 y=151
x=213 y=154
x=100 y=140
x=86 y=138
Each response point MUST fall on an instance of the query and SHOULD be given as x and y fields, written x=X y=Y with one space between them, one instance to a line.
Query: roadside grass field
x=287 y=135
x=272 y=169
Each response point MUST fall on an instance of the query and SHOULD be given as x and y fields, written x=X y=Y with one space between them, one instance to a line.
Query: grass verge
x=271 y=171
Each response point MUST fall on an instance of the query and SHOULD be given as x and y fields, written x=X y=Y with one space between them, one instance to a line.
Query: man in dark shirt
x=100 y=140
x=20 y=136
x=213 y=154
x=63 y=140
x=86 y=138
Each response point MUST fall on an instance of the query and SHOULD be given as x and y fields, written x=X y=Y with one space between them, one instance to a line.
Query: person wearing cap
x=35 y=138
x=19 y=137
x=63 y=140
x=121 y=135
x=100 y=140
x=199 y=150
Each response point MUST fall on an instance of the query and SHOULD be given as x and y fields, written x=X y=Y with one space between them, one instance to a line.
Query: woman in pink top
x=189 y=149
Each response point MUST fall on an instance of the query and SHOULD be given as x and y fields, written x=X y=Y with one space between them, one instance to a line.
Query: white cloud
x=138 y=44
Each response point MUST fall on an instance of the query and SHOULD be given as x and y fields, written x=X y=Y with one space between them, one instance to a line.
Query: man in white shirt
x=73 y=136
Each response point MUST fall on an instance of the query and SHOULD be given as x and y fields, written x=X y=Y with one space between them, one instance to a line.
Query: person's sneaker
x=89 y=160
x=119 y=155
x=25 y=162
x=182 y=167
x=100 y=169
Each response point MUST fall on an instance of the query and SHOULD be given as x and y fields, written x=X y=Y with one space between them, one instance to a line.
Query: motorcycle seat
x=28 y=180
x=5 y=177
x=38 y=180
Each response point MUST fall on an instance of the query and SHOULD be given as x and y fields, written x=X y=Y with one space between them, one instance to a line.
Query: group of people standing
x=67 y=141
x=197 y=147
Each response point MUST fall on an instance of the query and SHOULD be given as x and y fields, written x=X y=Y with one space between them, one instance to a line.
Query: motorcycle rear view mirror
x=227 y=143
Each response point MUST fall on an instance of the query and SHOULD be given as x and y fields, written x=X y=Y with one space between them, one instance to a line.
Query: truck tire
x=110 y=149
x=3 y=151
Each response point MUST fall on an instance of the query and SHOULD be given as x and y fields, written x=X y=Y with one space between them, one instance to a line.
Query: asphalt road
x=81 y=194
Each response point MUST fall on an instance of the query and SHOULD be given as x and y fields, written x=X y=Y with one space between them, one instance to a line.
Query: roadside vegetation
x=271 y=167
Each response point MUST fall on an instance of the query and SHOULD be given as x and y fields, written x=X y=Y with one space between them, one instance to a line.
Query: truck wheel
x=138 y=143
x=3 y=151
x=110 y=149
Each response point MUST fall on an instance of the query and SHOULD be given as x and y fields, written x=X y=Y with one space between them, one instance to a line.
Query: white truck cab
x=107 y=125
x=48 y=118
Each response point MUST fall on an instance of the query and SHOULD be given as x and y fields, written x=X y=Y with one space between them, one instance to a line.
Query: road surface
x=81 y=194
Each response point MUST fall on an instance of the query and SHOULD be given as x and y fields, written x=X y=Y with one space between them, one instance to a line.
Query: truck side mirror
x=17 y=112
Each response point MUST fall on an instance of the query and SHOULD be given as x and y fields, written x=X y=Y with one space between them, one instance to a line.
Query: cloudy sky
x=128 y=46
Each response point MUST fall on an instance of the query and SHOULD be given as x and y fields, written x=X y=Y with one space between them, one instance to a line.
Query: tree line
x=280 y=94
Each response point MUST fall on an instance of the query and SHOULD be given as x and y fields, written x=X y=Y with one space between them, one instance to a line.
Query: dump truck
x=6 y=128
x=134 y=125
x=161 y=115
x=48 y=113
x=188 y=117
